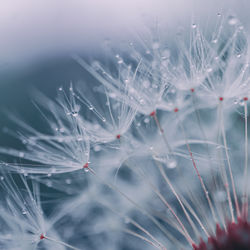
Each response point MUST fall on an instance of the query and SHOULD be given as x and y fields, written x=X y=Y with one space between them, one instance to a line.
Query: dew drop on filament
x=171 y=162
x=86 y=170
x=232 y=20
x=74 y=113
x=24 y=211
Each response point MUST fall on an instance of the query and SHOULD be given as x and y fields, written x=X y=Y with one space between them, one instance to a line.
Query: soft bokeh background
x=38 y=38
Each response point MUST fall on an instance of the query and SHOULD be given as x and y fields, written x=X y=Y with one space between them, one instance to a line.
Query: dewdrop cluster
x=151 y=154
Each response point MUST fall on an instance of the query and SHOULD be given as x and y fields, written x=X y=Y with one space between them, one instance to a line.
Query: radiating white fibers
x=153 y=154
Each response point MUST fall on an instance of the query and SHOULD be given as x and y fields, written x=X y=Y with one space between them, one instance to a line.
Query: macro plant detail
x=152 y=154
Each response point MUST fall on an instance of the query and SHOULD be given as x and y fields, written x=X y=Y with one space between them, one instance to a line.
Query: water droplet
x=219 y=14
x=79 y=138
x=103 y=119
x=120 y=61
x=86 y=170
x=236 y=101
x=146 y=120
x=194 y=26
x=113 y=95
x=24 y=211
x=21 y=154
x=60 y=89
x=24 y=141
x=61 y=130
x=1 y=178
x=68 y=181
x=91 y=107
x=232 y=20
x=241 y=102
x=49 y=183
x=171 y=162
x=214 y=40
x=142 y=101
x=74 y=113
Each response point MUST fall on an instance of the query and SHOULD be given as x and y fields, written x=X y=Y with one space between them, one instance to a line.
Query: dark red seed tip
x=192 y=90
x=234 y=236
x=245 y=98
x=152 y=113
x=221 y=99
x=42 y=236
x=118 y=136
x=86 y=165
x=176 y=110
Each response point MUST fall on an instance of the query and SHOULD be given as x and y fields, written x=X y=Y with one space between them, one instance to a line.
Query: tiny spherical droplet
x=232 y=20
x=120 y=61
x=194 y=26
x=24 y=211
x=241 y=103
x=171 y=163
x=236 y=101
x=68 y=181
x=86 y=170
x=21 y=154
x=74 y=113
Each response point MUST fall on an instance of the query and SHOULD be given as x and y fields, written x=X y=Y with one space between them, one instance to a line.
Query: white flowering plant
x=152 y=155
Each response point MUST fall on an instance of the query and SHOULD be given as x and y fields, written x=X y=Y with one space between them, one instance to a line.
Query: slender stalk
x=229 y=164
x=137 y=225
x=224 y=174
x=114 y=188
x=180 y=201
x=161 y=131
x=245 y=194
x=197 y=171
x=61 y=243
x=144 y=239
